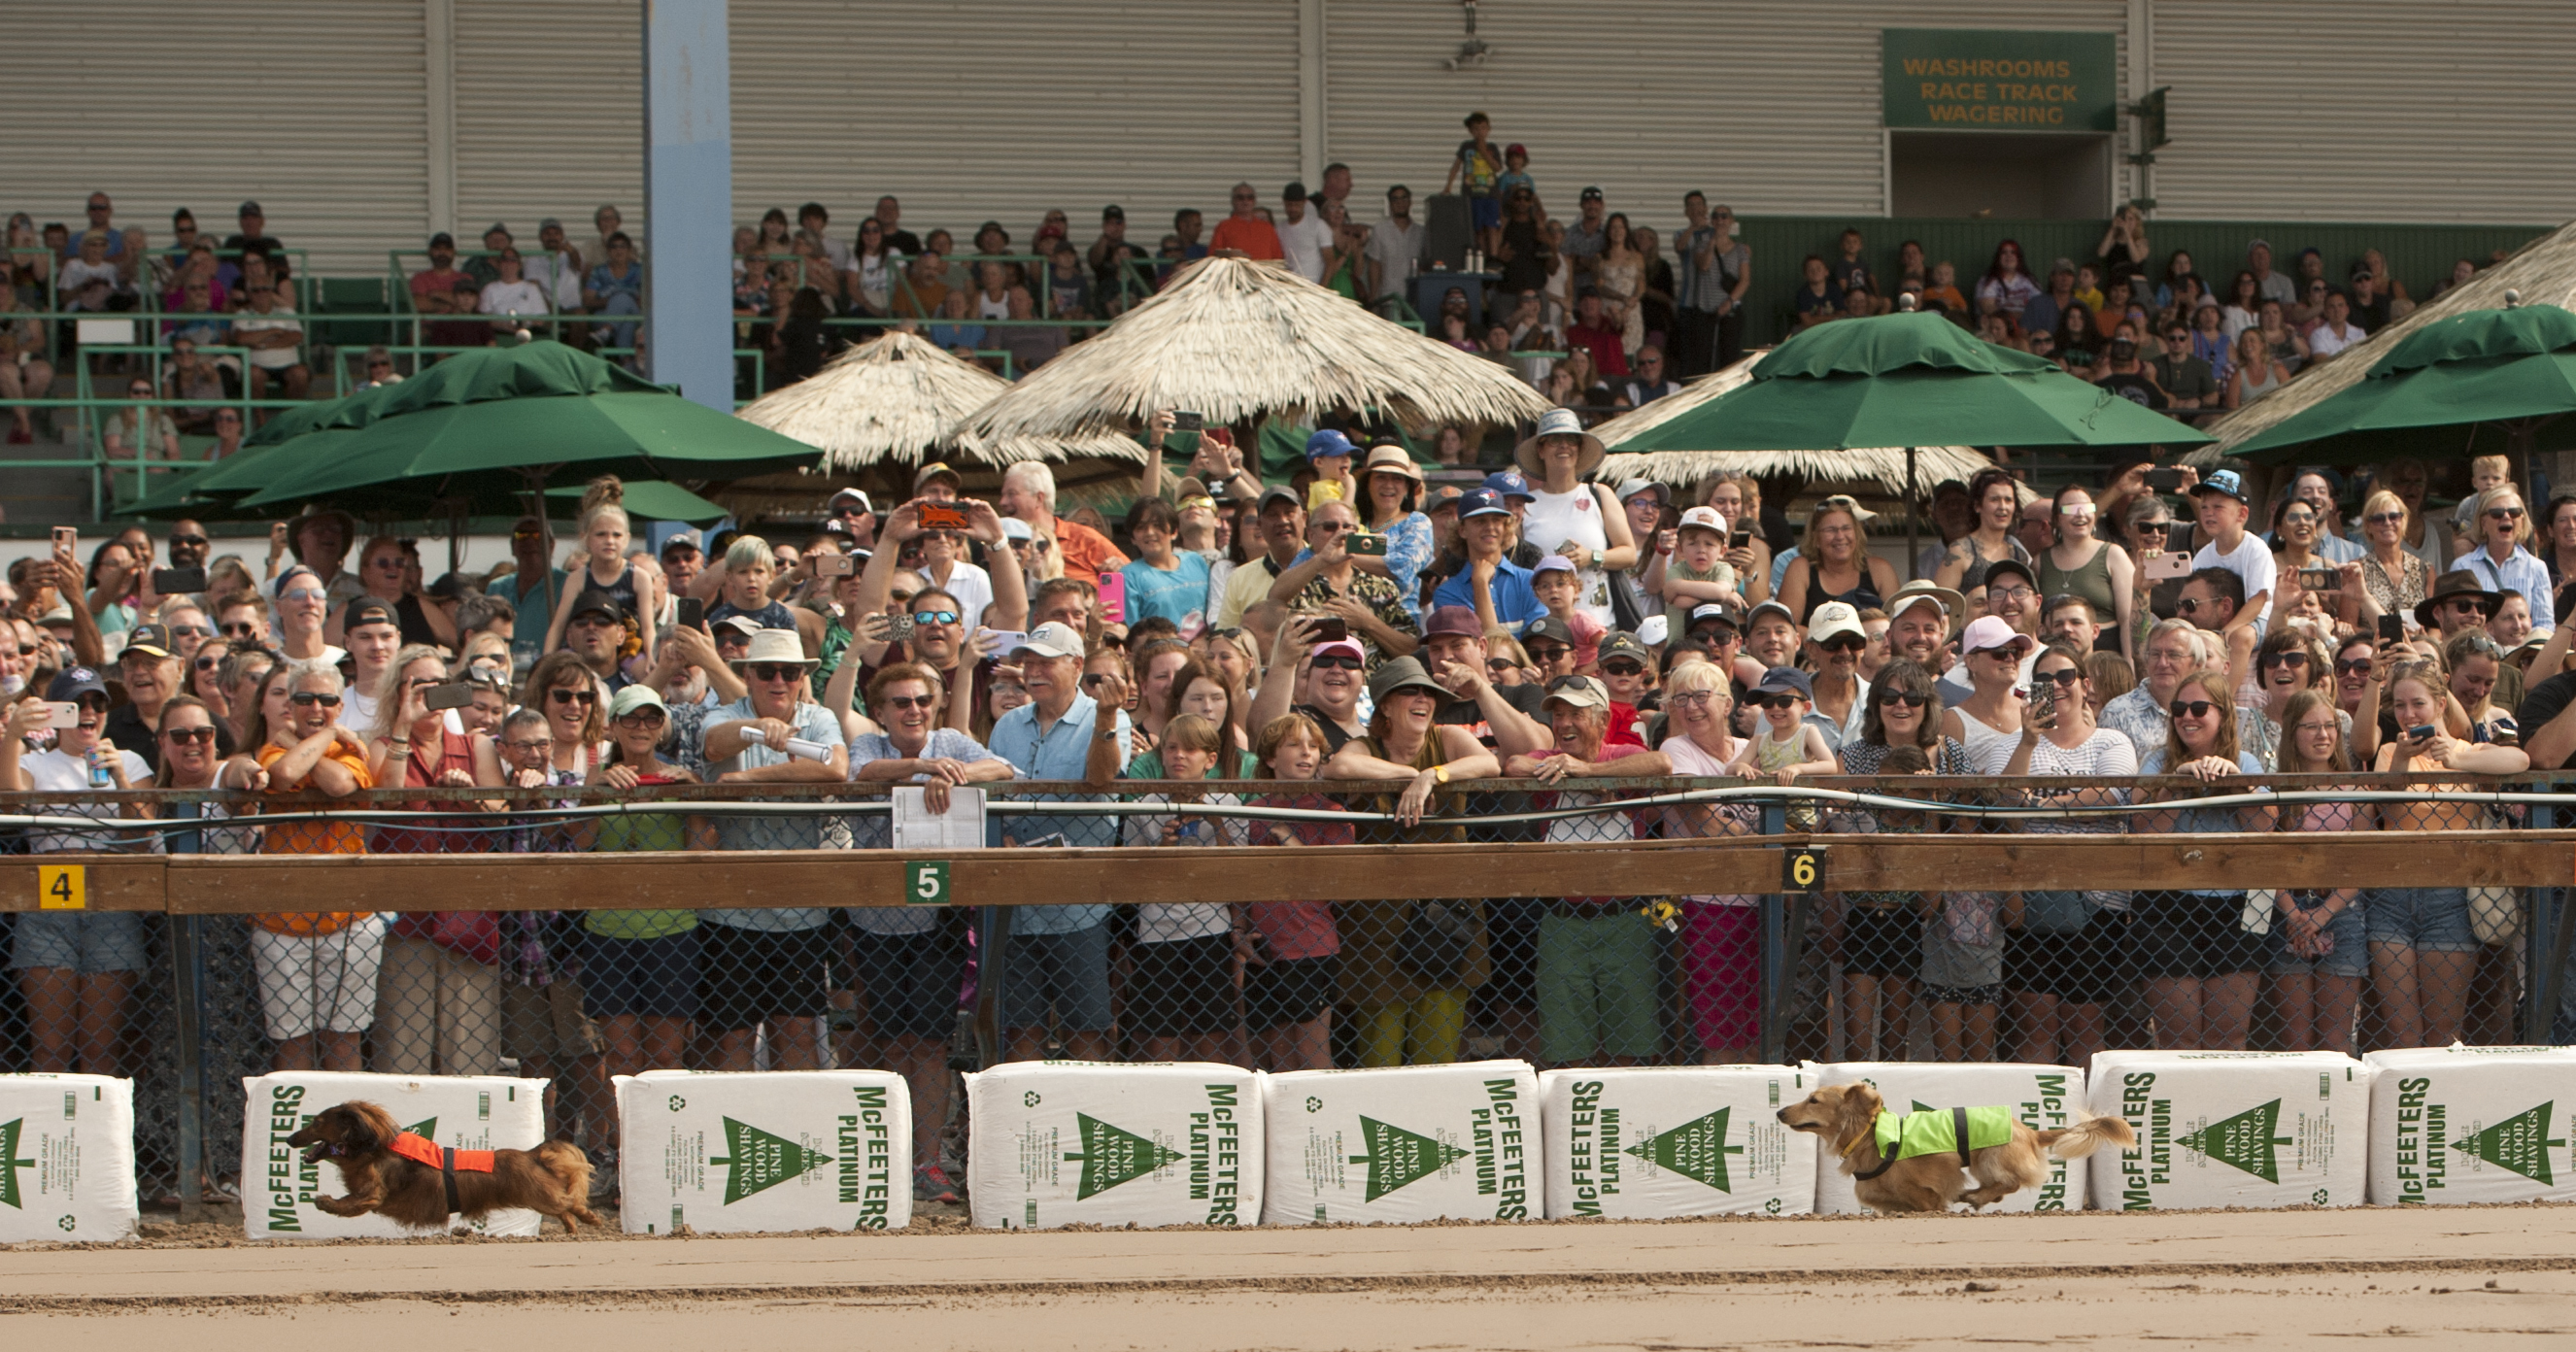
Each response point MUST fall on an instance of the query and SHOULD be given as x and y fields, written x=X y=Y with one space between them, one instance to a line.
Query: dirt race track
x=2456 y=1277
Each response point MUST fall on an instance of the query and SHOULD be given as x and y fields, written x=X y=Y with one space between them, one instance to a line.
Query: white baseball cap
x=1052 y=639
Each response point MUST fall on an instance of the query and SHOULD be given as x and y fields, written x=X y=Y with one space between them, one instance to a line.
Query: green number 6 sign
x=925 y=883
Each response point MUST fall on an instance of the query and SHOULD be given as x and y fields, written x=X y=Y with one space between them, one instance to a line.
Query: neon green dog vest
x=1936 y=1132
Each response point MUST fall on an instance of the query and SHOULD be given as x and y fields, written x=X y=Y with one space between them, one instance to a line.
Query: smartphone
x=2164 y=480
x=60 y=715
x=2421 y=732
x=1004 y=640
x=2392 y=629
x=1743 y=536
x=1331 y=629
x=452 y=695
x=942 y=516
x=693 y=613
x=2166 y=566
x=836 y=565
x=1371 y=545
x=898 y=628
x=1183 y=420
x=1113 y=599
x=2043 y=703
x=2320 y=579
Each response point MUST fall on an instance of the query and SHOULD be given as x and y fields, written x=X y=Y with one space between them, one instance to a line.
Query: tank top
x=1989 y=749
x=1862 y=597
x=1555 y=518
x=622 y=590
x=2090 y=580
x=2256 y=389
x=987 y=307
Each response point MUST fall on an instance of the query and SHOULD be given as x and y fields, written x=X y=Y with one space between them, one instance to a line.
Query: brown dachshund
x=1846 y=1116
x=413 y=1182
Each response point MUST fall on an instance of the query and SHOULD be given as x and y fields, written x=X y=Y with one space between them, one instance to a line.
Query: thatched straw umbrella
x=1885 y=467
x=1243 y=341
x=2543 y=271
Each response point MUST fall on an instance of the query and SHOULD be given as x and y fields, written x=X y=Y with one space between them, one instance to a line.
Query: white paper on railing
x=916 y=827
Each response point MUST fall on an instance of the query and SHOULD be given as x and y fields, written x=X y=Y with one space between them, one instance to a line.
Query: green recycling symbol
x=68 y=1224
x=1314 y=1104
x=1030 y=1099
x=677 y=1103
x=1772 y=1206
x=2320 y=1197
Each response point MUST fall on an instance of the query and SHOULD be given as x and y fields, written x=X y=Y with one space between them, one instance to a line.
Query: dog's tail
x=565 y=1161
x=2085 y=1137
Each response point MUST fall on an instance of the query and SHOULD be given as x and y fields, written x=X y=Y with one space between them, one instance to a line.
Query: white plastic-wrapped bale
x=2249 y=1129
x=1417 y=1143
x=66 y=1158
x=1056 y=1143
x=1651 y=1142
x=464 y=1112
x=2041 y=1098
x=778 y=1151
x=2472 y=1124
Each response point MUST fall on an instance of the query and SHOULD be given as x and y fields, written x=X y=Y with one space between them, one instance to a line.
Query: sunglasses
x=640 y=719
x=2358 y=666
x=2191 y=708
x=1622 y=669
x=2505 y=513
x=2283 y=659
x=1844 y=643
x=2063 y=676
x=304 y=594
x=934 y=617
x=189 y=736
x=572 y=696
x=911 y=701
x=306 y=699
x=1336 y=662
x=774 y=671
x=1910 y=699
x=1775 y=701
x=1547 y=652
x=2191 y=606
x=208 y=663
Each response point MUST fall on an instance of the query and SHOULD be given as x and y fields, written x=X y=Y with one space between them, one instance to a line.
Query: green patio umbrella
x=1907 y=380
x=2503 y=377
x=656 y=500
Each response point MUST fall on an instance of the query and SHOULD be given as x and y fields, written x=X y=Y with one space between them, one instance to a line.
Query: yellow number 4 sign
x=62 y=887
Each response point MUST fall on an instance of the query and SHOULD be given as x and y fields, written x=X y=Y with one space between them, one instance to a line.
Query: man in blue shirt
x=1058 y=956
x=1497 y=589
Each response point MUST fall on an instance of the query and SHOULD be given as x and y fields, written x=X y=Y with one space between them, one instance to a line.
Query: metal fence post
x=187 y=991
x=1776 y=973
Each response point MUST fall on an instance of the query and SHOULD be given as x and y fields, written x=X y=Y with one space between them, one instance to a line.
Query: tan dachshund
x=1846 y=1116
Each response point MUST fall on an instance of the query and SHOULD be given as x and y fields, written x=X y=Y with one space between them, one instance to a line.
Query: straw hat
x=1391 y=460
x=1559 y=422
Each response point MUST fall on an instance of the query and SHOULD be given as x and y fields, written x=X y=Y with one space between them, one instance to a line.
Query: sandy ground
x=2500 y=1276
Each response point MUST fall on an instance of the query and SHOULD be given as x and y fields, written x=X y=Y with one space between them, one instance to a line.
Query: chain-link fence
x=1284 y=925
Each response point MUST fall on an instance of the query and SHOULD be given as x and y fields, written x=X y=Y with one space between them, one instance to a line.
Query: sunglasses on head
x=2191 y=708
x=1336 y=662
x=306 y=699
x=190 y=736
x=774 y=671
x=568 y=696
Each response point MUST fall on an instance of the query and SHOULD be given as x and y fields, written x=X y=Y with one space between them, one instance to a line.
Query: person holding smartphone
x=76 y=969
x=2063 y=961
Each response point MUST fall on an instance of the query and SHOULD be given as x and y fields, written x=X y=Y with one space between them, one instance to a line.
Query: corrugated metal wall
x=2388 y=110
x=548 y=121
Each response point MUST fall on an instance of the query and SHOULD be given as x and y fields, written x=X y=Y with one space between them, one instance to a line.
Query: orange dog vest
x=422 y=1150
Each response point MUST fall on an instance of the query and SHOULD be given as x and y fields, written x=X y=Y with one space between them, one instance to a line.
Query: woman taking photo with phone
x=2064 y=961
x=2193 y=948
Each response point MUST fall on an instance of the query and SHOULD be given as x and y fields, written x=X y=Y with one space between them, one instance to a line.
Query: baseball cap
x=1548 y=627
x=1113 y=212
x=1327 y=443
x=442 y=240
x=1015 y=530
x=368 y=610
x=1636 y=487
x=550 y=223
x=150 y=639
x=1577 y=692
x=936 y=469
x=1832 y=620
x=1725 y=612
x=1989 y=632
x=1516 y=148
x=249 y=209
x=1704 y=518
x=2064 y=265
x=1623 y=644
x=849 y=495
x=1756 y=613
x=1786 y=681
x=1052 y=639
x=635 y=697
x=1294 y=191
x=1987 y=574
x=745 y=625
x=687 y=539
x=1591 y=195
x=1481 y=502
x=1951 y=603
x=74 y=682
x=497 y=228
x=1455 y=620
x=1349 y=647
x=1553 y=563
x=2225 y=481
x=1402 y=673
x=595 y=603
x=1278 y=493
x=1442 y=499
x=1511 y=483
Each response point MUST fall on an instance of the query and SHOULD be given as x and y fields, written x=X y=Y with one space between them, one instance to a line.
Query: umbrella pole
x=546 y=536
x=1913 y=522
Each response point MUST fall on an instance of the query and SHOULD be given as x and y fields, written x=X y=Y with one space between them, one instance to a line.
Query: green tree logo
x=10 y=1164
x=756 y=1160
x=2245 y=1141
x=2520 y=1143
x=1111 y=1156
x=426 y=1129
x=1397 y=1157
x=1695 y=1150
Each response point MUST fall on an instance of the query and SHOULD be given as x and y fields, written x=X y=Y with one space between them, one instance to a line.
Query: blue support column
x=688 y=199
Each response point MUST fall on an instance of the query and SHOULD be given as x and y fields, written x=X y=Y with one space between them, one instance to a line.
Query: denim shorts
x=87 y=942
x=1066 y=973
x=2429 y=919
x=2349 y=929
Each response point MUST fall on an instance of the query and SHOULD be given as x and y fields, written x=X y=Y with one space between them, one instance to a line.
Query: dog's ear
x=370 y=1127
x=1859 y=1110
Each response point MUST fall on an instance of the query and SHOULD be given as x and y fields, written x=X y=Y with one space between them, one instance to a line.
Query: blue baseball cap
x=2221 y=481
x=1328 y=442
x=1509 y=483
x=1482 y=502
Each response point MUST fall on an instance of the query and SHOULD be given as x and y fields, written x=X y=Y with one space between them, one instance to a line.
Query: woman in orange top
x=316 y=969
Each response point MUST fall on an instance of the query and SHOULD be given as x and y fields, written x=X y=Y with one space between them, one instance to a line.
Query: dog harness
x=447 y=1160
x=1934 y=1131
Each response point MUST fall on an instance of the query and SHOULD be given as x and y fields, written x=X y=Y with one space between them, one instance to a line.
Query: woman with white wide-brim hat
x=1570 y=517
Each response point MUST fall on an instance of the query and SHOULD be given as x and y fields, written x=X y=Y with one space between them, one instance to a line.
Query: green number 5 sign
x=925 y=883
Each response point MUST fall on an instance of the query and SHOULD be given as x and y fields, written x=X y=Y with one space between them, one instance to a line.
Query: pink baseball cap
x=1991 y=632
x=1348 y=646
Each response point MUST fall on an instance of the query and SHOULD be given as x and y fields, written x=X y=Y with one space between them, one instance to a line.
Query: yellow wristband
x=1440 y=774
